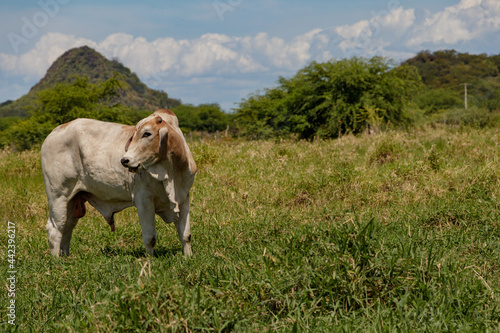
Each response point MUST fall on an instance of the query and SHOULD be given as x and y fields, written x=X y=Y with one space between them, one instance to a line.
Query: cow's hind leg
x=54 y=234
x=63 y=217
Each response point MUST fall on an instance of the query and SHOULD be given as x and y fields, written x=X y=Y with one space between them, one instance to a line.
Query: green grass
x=394 y=232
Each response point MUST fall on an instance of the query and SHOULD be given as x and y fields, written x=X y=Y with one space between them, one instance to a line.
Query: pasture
x=394 y=232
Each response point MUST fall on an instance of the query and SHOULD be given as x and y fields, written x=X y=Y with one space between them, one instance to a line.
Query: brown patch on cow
x=168 y=116
x=63 y=126
x=129 y=130
x=79 y=208
x=176 y=151
x=167 y=111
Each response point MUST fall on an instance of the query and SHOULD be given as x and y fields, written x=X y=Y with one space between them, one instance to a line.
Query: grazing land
x=397 y=231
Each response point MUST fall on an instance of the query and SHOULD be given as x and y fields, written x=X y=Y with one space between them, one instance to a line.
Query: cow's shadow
x=140 y=252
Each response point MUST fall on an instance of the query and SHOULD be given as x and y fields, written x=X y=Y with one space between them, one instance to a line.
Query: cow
x=114 y=166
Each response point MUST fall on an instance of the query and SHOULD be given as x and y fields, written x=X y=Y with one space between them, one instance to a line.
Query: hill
x=444 y=73
x=445 y=68
x=85 y=61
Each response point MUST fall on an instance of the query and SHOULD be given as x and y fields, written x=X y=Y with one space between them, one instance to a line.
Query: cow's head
x=158 y=146
x=146 y=146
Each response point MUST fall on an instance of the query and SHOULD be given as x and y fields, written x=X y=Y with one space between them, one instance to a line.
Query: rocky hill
x=85 y=61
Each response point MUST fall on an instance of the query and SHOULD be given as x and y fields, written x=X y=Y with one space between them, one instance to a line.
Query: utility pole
x=465 y=98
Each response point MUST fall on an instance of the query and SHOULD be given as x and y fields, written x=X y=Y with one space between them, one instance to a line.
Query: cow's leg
x=56 y=222
x=146 y=211
x=54 y=234
x=75 y=209
x=183 y=226
x=63 y=216
x=67 y=232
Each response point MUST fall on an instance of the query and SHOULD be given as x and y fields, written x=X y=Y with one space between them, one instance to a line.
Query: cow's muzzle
x=126 y=163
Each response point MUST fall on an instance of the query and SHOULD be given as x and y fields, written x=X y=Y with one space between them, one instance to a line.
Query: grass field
x=394 y=232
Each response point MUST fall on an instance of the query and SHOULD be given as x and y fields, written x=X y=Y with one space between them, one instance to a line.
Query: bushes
x=204 y=117
x=330 y=99
x=434 y=100
x=327 y=100
x=474 y=117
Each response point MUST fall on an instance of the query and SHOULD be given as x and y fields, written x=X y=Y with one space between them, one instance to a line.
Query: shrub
x=333 y=98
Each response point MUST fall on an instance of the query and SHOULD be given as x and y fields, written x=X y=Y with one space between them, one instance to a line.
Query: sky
x=222 y=51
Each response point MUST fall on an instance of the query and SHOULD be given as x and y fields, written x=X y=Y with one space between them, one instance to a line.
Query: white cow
x=113 y=166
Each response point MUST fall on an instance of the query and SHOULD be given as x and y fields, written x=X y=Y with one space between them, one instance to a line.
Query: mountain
x=85 y=61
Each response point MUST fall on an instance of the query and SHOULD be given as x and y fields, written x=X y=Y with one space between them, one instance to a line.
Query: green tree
x=66 y=102
x=332 y=98
x=204 y=117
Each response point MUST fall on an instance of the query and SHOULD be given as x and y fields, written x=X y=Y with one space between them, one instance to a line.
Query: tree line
x=82 y=99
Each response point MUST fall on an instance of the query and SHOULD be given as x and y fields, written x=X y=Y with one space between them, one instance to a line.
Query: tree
x=67 y=101
x=330 y=99
x=204 y=117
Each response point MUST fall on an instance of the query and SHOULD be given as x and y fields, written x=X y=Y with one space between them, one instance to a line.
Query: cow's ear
x=128 y=143
x=161 y=169
x=163 y=134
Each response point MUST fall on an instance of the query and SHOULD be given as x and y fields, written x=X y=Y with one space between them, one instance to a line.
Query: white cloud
x=463 y=22
x=354 y=30
x=393 y=32
x=208 y=55
x=397 y=32
x=35 y=62
x=370 y=37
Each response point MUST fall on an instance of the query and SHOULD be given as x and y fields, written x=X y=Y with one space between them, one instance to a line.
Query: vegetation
x=82 y=99
x=393 y=232
x=330 y=99
x=443 y=73
x=327 y=100
x=202 y=118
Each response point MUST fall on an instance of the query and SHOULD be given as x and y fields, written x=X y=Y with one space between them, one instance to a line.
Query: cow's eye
x=146 y=134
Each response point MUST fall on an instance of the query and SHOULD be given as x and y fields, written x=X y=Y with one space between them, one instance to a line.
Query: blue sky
x=220 y=51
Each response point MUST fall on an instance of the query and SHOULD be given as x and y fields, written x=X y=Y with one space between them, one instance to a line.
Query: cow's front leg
x=146 y=211
x=183 y=226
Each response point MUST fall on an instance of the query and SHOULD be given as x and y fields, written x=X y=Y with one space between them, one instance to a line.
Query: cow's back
x=84 y=155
